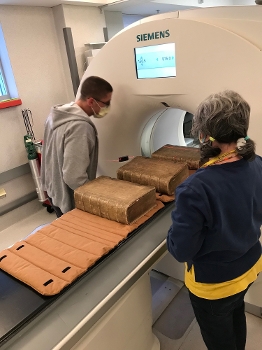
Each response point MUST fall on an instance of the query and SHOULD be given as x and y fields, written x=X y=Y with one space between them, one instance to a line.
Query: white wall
x=206 y=3
x=244 y=2
x=59 y=19
x=41 y=80
x=214 y=3
x=87 y=25
x=36 y=62
x=114 y=22
x=35 y=43
x=129 y=19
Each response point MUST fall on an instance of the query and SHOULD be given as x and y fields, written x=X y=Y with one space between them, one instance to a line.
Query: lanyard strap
x=220 y=158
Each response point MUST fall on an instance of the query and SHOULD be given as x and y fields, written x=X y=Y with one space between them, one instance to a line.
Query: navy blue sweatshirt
x=217 y=220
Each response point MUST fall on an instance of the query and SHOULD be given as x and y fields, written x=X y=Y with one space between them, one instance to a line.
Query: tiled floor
x=191 y=339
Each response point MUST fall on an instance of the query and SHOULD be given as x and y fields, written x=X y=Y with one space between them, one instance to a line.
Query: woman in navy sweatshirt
x=216 y=222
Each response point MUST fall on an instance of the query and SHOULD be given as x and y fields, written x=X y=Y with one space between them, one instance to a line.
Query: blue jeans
x=222 y=322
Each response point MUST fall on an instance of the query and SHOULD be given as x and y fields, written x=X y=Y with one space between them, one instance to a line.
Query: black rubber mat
x=177 y=317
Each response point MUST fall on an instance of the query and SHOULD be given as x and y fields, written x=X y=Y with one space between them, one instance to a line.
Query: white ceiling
x=137 y=7
x=145 y=8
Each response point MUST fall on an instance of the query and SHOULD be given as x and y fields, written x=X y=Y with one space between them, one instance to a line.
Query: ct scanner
x=211 y=49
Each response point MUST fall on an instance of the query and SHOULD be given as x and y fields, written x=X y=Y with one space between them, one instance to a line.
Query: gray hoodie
x=69 y=155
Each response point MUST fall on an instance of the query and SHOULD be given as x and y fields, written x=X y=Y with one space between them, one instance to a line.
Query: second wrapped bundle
x=164 y=175
x=190 y=155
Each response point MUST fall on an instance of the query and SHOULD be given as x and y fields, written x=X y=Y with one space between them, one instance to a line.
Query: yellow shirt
x=214 y=291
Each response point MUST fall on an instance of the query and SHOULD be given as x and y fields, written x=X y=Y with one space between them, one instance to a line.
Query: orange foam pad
x=164 y=197
x=57 y=254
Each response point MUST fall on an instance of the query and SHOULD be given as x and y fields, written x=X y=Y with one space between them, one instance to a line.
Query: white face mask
x=103 y=111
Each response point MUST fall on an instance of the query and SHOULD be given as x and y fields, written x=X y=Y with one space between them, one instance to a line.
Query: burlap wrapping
x=190 y=155
x=114 y=199
x=164 y=175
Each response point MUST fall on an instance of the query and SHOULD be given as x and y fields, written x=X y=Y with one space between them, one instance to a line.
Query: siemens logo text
x=152 y=36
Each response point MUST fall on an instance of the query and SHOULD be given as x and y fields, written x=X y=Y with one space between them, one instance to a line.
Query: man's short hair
x=95 y=87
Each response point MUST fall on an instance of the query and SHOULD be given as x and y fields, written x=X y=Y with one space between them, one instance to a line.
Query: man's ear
x=89 y=101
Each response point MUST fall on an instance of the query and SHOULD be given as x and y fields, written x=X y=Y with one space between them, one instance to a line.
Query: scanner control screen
x=156 y=61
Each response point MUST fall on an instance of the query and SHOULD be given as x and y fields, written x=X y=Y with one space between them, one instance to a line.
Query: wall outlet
x=2 y=193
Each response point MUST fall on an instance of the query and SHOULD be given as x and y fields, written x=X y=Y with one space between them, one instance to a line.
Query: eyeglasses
x=107 y=103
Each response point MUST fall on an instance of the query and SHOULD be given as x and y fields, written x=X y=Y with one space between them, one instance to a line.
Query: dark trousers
x=56 y=209
x=222 y=322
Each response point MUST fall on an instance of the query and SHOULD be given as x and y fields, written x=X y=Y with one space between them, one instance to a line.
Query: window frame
x=4 y=84
x=11 y=98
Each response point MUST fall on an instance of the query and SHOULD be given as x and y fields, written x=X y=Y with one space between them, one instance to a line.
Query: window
x=8 y=91
x=4 y=94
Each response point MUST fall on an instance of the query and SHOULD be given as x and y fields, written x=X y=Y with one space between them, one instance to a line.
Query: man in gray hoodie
x=70 y=147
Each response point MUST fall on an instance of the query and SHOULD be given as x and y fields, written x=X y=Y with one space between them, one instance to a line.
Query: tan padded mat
x=164 y=197
x=54 y=256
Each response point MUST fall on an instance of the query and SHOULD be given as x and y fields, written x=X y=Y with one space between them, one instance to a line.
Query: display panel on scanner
x=155 y=61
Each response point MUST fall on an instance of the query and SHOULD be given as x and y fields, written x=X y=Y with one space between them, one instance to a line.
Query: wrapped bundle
x=164 y=175
x=190 y=155
x=116 y=200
